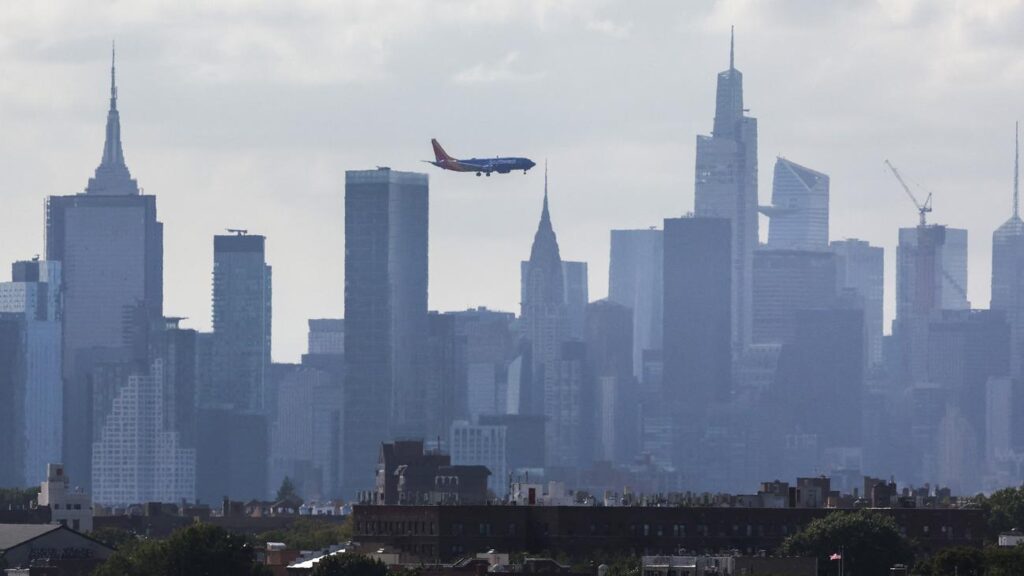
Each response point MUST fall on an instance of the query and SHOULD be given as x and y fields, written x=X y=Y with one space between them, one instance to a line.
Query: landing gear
x=479 y=174
x=488 y=174
x=524 y=172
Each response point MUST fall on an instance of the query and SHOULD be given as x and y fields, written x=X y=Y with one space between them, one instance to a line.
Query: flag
x=836 y=556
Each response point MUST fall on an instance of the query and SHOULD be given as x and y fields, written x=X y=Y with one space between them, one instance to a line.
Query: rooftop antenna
x=1016 y=170
x=113 y=75
x=732 y=47
x=237 y=231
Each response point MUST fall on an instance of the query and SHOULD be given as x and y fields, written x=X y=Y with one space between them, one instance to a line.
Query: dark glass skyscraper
x=726 y=187
x=786 y=281
x=110 y=246
x=697 y=339
x=386 y=240
x=241 y=323
x=860 y=267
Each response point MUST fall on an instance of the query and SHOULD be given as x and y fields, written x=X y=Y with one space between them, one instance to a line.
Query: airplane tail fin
x=439 y=152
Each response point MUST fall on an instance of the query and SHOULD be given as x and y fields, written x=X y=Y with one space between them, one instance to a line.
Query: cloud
x=610 y=28
x=502 y=71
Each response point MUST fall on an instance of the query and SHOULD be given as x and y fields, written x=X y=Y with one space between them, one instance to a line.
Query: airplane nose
x=531 y=163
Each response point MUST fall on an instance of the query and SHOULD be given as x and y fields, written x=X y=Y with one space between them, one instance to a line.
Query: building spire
x=113 y=75
x=112 y=176
x=1016 y=170
x=544 y=215
x=732 y=48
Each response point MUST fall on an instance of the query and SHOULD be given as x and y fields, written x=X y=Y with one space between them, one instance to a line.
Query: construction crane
x=922 y=209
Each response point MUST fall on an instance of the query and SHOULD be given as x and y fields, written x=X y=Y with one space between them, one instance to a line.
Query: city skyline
x=213 y=167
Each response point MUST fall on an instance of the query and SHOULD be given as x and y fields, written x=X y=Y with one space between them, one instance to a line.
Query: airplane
x=478 y=165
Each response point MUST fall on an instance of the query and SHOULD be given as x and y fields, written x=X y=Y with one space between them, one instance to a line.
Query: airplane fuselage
x=485 y=165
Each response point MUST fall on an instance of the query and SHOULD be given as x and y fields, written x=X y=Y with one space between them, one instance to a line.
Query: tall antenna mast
x=732 y=47
x=1016 y=170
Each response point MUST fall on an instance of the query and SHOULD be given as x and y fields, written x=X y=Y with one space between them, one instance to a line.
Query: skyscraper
x=609 y=339
x=799 y=210
x=32 y=301
x=635 y=281
x=931 y=275
x=12 y=400
x=1008 y=273
x=697 y=342
x=486 y=346
x=110 y=246
x=576 y=296
x=820 y=378
x=326 y=336
x=726 y=187
x=544 y=315
x=860 y=267
x=386 y=236
x=786 y=281
x=241 y=322
x=144 y=423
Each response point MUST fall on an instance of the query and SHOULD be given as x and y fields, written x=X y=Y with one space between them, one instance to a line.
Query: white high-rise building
x=799 y=210
x=726 y=187
x=483 y=445
x=136 y=458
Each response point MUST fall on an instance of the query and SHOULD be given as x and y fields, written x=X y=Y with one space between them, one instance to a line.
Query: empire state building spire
x=112 y=175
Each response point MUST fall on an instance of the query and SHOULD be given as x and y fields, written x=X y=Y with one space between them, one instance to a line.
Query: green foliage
x=1004 y=561
x=871 y=541
x=1004 y=510
x=624 y=567
x=199 y=550
x=287 y=490
x=349 y=565
x=957 y=561
x=115 y=537
x=18 y=497
x=310 y=534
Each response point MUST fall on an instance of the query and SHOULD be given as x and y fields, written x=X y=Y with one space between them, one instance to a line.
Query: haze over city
x=237 y=116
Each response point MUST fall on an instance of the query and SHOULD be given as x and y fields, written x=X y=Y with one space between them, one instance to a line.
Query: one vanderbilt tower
x=726 y=187
x=110 y=246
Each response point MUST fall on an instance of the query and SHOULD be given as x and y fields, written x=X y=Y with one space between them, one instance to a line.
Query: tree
x=349 y=565
x=18 y=498
x=956 y=561
x=1004 y=510
x=310 y=534
x=1004 y=561
x=871 y=542
x=114 y=537
x=199 y=550
x=287 y=490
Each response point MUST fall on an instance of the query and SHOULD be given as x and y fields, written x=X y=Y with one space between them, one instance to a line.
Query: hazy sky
x=246 y=115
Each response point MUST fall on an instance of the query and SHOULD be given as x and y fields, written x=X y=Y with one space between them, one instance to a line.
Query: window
x=457 y=529
x=74 y=524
